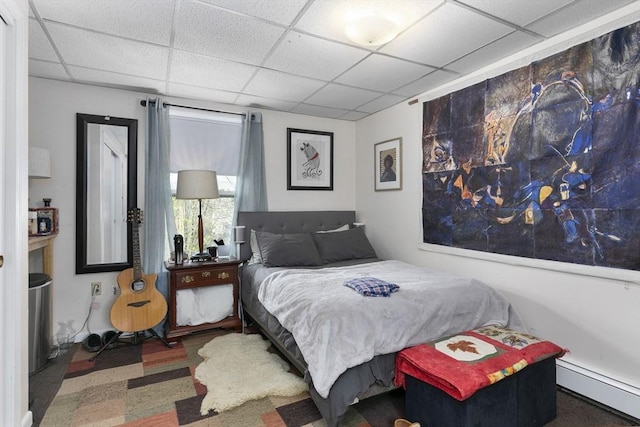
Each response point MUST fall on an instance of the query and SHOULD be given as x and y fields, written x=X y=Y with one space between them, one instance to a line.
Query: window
x=210 y=141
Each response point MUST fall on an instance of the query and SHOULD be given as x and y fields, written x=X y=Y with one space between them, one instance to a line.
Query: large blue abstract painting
x=543 y=161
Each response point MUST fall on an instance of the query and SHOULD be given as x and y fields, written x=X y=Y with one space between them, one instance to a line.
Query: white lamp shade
x=39 y=163
x=197 y=184
x=238 y=233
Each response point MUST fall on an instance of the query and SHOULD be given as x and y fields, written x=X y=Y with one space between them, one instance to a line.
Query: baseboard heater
x=612 y=393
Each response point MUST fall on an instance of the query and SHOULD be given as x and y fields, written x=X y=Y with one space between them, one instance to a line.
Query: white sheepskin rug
x=238 y=368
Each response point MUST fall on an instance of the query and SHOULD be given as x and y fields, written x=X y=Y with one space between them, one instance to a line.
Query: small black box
x=524 y=399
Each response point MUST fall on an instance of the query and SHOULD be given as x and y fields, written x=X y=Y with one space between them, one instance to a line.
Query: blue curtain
x=159 y=223
x=251 y=185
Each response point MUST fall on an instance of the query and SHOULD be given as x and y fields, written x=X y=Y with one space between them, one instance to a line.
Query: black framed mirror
x=106 y=190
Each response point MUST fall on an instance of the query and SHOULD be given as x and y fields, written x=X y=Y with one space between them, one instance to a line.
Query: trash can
x=39 y=320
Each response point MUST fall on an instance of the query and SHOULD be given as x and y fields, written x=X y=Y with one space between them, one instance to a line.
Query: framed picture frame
x=309 y=160
x=387 y=163
x=46 y=220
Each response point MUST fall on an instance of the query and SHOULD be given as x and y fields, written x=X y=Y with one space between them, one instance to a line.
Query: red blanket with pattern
x=462 y=364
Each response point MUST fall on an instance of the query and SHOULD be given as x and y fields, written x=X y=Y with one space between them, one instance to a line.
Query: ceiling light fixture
x=371 y=29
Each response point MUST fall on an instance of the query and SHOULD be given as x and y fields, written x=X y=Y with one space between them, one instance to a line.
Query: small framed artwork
x=309 y=160
x=47 y=220
x=387 y=161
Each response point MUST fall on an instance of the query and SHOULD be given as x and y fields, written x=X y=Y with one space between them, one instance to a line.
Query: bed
x=345 y=343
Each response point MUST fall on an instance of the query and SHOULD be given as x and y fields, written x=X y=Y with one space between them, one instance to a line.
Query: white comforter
x=336 y=328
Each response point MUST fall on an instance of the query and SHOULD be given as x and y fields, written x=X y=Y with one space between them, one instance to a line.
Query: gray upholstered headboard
x=290 y=222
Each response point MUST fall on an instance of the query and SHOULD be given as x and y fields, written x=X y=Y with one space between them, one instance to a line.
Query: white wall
x=580 y=308
x=275 y=136
x=52 y=124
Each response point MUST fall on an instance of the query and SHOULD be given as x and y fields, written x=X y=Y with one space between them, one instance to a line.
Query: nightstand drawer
x=210 y=276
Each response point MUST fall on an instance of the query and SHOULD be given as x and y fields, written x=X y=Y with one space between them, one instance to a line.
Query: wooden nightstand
x=199 y=275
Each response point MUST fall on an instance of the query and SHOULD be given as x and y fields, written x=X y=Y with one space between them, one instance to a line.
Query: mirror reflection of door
x=105 y=192
x=106 y=198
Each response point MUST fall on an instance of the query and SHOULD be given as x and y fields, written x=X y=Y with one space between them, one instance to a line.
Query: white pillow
x=256 y=258
x=343 y=228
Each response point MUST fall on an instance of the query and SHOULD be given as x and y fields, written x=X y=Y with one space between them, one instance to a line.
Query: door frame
x=14 y=323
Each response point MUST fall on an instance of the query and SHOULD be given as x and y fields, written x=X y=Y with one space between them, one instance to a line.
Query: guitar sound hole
x=137 y=285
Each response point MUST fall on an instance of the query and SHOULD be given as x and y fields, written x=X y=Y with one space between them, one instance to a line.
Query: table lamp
x=39 y=163
x=198 y=184
x=238 y=238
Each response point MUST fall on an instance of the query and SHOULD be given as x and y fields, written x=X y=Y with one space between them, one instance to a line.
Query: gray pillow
x=287 y=250
x=344 y=245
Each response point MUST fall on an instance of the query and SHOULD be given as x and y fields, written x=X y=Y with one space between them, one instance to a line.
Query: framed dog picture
x=309 y=160
x=387 y=165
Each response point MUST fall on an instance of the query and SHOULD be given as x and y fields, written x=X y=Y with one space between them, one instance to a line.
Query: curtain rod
x=144 y=104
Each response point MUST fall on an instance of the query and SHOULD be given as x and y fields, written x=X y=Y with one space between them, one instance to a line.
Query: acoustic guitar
x=139 y=305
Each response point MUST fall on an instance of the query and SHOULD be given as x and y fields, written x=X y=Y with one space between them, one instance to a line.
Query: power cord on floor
x=86 y=320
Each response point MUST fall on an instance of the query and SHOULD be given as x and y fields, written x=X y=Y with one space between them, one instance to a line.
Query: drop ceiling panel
x=445 y=35
x=196 y=92
x=385 y=101
x=329 y=18
x=315 y=110
x=338 y=96
x=525 y=12
x=313 y=57
x=497 y=50
x=202 y=28
x=283 y=12
x=268 y=103
x=277 y=85
x=100 y=51
x=573 y=15
x=427 y=82
x=117 y=17
x=354 y=115
x=39 y=45
x=199 y=70
x=48 y=70
x=87 y=75
x=383 y=73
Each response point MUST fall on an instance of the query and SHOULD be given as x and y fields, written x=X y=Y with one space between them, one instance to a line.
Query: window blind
x=204 y=140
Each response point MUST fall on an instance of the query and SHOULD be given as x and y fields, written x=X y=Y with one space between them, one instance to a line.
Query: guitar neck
x=137 y=264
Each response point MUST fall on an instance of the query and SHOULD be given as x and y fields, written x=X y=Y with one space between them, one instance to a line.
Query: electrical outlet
x=96 y=288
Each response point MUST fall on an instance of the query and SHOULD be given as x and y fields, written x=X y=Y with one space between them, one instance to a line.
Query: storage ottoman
x=490 y=376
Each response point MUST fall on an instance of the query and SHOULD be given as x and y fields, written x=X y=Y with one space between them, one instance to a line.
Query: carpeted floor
x=151 y=385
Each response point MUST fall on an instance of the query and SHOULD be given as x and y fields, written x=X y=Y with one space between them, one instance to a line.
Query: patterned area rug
x=150 y=385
